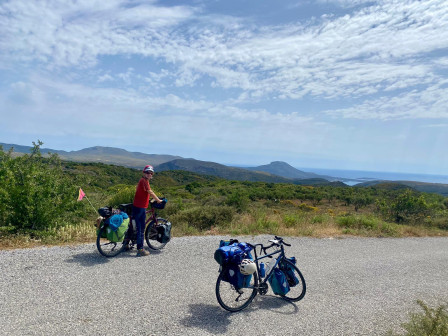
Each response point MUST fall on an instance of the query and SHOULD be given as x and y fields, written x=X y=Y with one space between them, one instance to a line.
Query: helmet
x=247 y=267
x=148 y=169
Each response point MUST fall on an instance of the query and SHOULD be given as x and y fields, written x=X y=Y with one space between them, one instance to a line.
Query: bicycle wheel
x=297 y=292
x=108 y=248
x=151 y=234
x=231 y=298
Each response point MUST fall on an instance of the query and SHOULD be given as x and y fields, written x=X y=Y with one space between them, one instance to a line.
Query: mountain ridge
x=109 y=155
x=276 y=171
x=283 y=169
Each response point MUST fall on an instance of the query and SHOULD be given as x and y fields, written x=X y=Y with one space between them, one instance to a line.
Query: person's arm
x=153 y=195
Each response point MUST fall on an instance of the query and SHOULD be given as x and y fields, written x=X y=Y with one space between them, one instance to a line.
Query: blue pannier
x=229 y=255
x=232 y=254
x=233 y=275
x=289 y=272
x=279 y=282
x=116 y=220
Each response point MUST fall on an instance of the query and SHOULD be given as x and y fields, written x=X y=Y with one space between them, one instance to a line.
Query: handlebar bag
x=279 y=282
x=289 y=272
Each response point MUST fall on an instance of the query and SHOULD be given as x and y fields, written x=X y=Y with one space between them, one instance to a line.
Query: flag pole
x=91 y=205
x=83 y=195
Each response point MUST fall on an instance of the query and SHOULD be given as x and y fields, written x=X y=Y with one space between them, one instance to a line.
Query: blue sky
x=327 y=83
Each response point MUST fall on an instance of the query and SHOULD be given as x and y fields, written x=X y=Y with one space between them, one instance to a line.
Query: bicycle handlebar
x=277 y=242
x=281 y=241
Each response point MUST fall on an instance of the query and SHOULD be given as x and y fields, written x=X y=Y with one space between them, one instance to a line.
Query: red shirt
x=141 y=199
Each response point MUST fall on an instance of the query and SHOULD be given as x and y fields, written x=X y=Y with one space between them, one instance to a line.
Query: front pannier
x=163 y=232
x=289 y=272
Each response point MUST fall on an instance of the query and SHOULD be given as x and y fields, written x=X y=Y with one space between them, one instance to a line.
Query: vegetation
x=38 y=204
x=432 y=322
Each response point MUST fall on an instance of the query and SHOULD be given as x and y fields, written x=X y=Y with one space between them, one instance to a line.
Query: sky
x=334 y=84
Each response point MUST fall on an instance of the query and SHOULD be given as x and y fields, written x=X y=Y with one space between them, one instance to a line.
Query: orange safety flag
x=81 y=194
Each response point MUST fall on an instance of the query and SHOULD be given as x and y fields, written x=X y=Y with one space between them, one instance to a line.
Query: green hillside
x=38 y=203
x=437 y=188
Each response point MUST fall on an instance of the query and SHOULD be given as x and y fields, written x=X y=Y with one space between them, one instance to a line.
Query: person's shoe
x=142 y=253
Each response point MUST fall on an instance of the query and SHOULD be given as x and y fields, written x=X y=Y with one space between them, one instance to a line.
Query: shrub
x=306 y=207
x=406 y=207
x=35 y=194
x=122 y=195
x=367 y=225
x=432 y=322
x=239 y=200
x=204 y=217
x=291 y=220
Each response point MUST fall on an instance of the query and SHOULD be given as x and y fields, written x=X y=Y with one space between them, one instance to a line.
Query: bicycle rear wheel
x=231 y=298
x=106 y=247
x=297 y=292
x=151 y=234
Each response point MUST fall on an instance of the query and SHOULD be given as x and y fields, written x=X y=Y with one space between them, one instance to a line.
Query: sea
x=352 y=177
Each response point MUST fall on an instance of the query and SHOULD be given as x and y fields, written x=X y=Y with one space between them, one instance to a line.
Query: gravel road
x=355 y=286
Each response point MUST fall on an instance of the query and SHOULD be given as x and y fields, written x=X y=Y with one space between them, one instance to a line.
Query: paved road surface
x=355 y=286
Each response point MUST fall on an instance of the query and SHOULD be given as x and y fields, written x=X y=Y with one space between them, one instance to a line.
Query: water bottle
x=134 y=226
x=262 y=270
x=270 y=265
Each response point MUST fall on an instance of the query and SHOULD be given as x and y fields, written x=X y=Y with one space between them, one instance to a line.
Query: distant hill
x=216 y=169
x=285 y=170
x=275 y=172
x=237 y=174
x=108 y=155
x=437 y=188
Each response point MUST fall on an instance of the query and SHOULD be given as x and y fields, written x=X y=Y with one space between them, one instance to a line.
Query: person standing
x=141 y=202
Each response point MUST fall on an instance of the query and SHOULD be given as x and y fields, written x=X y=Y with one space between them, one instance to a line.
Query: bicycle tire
x=106 y=247
x=150 y=236
x=297 y=292
x=229 y=298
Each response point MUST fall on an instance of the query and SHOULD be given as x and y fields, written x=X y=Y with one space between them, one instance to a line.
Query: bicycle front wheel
x=151 y=234
x=106 y=247
x=235 y=299
x=296 y=292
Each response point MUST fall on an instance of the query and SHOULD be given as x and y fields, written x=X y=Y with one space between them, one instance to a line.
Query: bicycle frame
x=281 y=253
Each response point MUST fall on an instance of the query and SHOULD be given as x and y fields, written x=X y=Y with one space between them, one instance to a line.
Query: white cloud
x=429 y=103
x=227 y=80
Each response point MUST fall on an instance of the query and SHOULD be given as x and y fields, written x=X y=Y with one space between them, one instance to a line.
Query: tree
x=34 y=192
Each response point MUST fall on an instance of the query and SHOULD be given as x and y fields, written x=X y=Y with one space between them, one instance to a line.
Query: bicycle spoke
x=233 y=299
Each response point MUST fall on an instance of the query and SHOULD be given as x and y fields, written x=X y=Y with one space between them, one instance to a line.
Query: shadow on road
x=275 y=304
x=208 y=317
x=95 y=258
x=88 y=259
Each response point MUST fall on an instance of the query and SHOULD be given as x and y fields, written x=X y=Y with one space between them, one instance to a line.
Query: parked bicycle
x=235 y=298
x=155 y=227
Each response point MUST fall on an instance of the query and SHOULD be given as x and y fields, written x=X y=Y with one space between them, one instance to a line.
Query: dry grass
x=83 y=232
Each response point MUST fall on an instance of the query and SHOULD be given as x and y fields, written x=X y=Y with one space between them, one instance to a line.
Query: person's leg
x=139 y=216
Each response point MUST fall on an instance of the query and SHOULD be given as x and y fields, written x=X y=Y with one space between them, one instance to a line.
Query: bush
x=367 y=225
x=432 y=322
x=406 y=207
x=34 y=192
x=204 y=217
x=122 y=195
x=239 y=200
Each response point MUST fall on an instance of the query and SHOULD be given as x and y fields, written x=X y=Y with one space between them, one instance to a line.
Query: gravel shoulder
x=355 y=286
